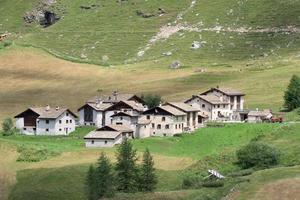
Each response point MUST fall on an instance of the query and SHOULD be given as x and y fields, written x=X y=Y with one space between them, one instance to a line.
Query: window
x=70 y=121
x=179 y=125
x=148 y=116
x=24 y=129
x=121 y=118
x=34 y=129
x=203 y=105
x=119 y=123
x=163 y=119
x=125 y=110
x=67 y=121
x=153 y=125
x=224 y=106
x=175 y=126
x=105 y=142
x=92 y=142
x=47 y=129
x=47 y=121
x=60 y=121
x=167 y=126
x=158 y=126
x=165 y=135
x=218 y=106
x=60 y=129
x=145 y=126
x=67 y=114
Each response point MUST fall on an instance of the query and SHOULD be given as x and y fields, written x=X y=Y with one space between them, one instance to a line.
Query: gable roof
x=115 y=98
x=43 y=113
x=166 y=108
x=102 y=135
x=260 y=113
x=210 y=98
x=182 y=106
x=227 y=91
x=129 y=104
x=120 y=128
x=97 y=106
x=123 y=114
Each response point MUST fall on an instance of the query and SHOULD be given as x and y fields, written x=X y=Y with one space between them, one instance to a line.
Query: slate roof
x=50 y=113
x=227 y=91
x=111 y=98
x=172 y=110
x=259 y=113
x=102 y=135
x=183 y=106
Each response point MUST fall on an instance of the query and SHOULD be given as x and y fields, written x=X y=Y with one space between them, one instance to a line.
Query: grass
x=212 y=147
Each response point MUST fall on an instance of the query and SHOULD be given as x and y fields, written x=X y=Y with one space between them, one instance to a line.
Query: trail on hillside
x=177 y=25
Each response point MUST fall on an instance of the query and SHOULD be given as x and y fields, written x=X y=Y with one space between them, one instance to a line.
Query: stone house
x=191 y=114
x=220 y=104
x=97 y=112
x=46 y=121
x=108 y=136
x=258 y=116
x=163 y=121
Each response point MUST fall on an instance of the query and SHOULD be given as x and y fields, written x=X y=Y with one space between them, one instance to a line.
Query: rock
x=168 y=53
x=196 y=45
x=140 y=53
x=83 y=56
x=161 y=11
x=143 y=14
x=175 y=65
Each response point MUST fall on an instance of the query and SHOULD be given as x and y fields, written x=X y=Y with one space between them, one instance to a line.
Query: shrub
x=7 y=43
x=7 y=127
x=245 y=172
x=257 y=154
x=152 y=100
x=213 y=183
x=191 y=180
x=33 y=155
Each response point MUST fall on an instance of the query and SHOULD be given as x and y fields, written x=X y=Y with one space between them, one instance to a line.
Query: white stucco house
x=108 y=136
x=192 y=121
x=46 y=121
x=220 y=104
x=97 y=111
x=163 y=121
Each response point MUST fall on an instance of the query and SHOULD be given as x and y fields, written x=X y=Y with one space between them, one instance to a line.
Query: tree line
x=104 y=179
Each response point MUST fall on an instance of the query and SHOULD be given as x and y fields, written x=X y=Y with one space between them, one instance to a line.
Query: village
x=126 y=116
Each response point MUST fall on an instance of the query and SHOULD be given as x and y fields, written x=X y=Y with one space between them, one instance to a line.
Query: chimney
x=115 y=94
x=47 y=108
x=57 y=108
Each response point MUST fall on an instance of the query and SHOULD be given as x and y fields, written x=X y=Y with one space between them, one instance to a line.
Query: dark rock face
x=49 y=19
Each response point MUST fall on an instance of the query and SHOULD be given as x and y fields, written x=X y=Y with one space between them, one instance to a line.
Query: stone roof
x=102 y=135
x=121 y=128
x=48 y=112
x=183 y=106
x=260 y=113
x=172 y=110
x=111 y=98
x=213 y=99
x=227 y=91
x=135 y=106
x=99 y=106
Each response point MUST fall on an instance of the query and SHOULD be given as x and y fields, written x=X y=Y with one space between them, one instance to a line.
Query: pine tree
x=292 y=95
x=104 y=177
x=148 y=179
x=126 y=169
x=91 y=184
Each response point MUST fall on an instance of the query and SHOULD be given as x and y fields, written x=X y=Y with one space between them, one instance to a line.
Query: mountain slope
x=113 y=33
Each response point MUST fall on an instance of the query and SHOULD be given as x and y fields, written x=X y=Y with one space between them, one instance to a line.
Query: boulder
x=175 y=65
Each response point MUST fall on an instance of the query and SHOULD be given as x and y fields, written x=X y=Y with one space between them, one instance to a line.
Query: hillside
x=113 y=32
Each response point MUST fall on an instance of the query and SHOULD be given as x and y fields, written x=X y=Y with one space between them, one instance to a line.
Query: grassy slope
x=63 y=186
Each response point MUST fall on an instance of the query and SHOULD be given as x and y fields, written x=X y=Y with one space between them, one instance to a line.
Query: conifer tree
x=126 y=169
x=292 y=95
x=147 y=179
x=104 y=177
x=91 y=184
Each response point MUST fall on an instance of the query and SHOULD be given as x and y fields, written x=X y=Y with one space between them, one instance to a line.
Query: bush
x=257 y=154
x=213 y=183
x=191 y=180
x=7 y=43
x=33 y=155
x=245 y=172
x=7 y=127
